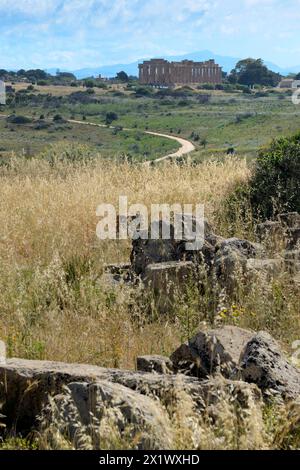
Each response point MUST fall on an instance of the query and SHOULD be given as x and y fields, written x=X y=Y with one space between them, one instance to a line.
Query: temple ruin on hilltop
x=160 y=72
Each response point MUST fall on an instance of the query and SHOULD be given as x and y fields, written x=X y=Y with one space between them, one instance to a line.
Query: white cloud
x=119 y=30
x=33 y=8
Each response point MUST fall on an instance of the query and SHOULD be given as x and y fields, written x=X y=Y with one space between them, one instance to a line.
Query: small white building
x=289 y=83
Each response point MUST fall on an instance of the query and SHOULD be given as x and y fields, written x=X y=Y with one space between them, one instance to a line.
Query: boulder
x=165 y=281
x=94 y=415
x=101 y=412
x=147 y=252
x=270 y=232
x=160 y=250
x=263 y=363
x=25 y=388
x=230 y=263
x=244 y=247
x=211 y=352
x=156 y=364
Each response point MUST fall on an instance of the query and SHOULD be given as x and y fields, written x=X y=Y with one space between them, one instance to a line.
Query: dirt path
x=186 y=146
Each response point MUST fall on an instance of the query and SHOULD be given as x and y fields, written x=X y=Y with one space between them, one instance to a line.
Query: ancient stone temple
x=160 y=72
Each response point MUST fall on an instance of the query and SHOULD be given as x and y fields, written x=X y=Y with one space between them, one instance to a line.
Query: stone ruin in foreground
x=165 y=268
x=220 y=365
x=85 y=403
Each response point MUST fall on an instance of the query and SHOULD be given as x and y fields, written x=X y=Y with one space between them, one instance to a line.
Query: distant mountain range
x=228 y=63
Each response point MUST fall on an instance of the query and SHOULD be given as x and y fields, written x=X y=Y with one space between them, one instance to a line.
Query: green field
x=235 y=120
x=27 y=139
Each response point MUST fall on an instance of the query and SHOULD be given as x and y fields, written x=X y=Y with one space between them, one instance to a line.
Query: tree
x=122 y=76
x=89 y=83
x=110 y=117
x=274 y=186
x=253 y=72
x=297 y=77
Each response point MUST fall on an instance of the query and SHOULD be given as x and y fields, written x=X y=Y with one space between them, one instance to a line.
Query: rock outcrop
x=88 y=403
x=75 y=397
x=212 y=351
x=103 y=410
x=235 y=354
x=166 y=267
x=263 y=363
x=157 y=364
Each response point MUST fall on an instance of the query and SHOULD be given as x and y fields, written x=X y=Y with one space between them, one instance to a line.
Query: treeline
x=36 y=76
x=40 y=77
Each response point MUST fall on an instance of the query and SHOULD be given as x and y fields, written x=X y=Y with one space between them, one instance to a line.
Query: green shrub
x=274 y=186
x=110 y=117
x=143 y=91
x=206 y=86
x=59 y=119
x=19 y=119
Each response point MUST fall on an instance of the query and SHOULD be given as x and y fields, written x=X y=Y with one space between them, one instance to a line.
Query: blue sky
x=73 y=34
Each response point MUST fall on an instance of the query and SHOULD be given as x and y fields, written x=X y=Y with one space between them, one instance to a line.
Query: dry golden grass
x=60 y=90
x=43 y=211
x=52 y=302
x=55 y=305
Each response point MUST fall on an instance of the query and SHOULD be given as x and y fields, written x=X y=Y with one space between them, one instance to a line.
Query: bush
x=206 y=86
x=274 y=187
x=203 y=99
x=89 y=83
x=19 y=119
x=110 y=117
x=243 y=116
x=58 y=118
x=143 y=91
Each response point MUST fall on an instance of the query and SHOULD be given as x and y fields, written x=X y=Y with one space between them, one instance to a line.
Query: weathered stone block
x=103 y=410
x=213 y=351
x=168 y=280
x=230 y=263
x=154 y=251
x=25 y=387
x=269 y=231
x=158 y=364
x=263 y=363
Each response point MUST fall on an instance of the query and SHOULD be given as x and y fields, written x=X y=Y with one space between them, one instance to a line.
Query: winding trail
x=186 y=146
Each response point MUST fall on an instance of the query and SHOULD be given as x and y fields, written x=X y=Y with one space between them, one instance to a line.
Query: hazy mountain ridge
x=227 y=62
